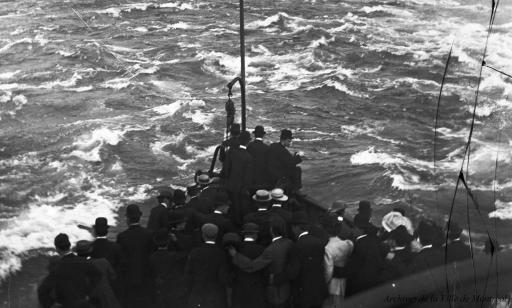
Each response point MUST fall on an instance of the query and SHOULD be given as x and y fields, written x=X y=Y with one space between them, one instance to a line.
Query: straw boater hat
x=204 y=179
x=262 y=195
x=278 y=194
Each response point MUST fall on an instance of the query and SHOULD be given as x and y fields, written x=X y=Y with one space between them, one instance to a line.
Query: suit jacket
x=427 y=258
x=206 y=277
x=364 y=269
x=238 y=170
x=280 y=162
x=204 y=202
x=273 y=259
x=306 y=270
x=220 y=220
x=458 y=251
x=258 y=150
x=136 y=245
x=249 y=288
x=72 y=279
x=262 y=219
x=158 y=218
x=399 y=265
x=104 y=248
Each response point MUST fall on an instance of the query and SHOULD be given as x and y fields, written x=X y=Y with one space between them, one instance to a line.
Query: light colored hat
x=262 y=195
x=393 y=219
x=204 y=179
x=278 y=194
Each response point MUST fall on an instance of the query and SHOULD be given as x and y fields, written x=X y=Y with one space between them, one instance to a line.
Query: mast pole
x=242 y=62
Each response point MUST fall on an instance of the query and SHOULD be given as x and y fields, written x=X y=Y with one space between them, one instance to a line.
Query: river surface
x=101 y=101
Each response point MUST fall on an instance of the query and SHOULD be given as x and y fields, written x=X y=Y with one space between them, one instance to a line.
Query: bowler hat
x=83 y=248
x=209 y=230
x=203 y=179
x=179 y=197
x=259 y=131
x=300 y=218
x=61 y=241
x=286 y=134
x=338 y=205
x=133 y=211
x=250 y=228
x=101 y=224
x=278 y=194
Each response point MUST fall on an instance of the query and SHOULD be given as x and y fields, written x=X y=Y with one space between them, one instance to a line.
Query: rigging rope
x=497 y=70
x=461 y=178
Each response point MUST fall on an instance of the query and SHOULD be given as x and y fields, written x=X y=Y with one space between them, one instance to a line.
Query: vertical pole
x=242 y=61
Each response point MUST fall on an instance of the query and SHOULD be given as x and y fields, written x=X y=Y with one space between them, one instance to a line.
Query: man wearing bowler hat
x=136 y=246
x=258 y=150
x=249 y=288
x=71 y=280
x=102 y=247
x=159 y=215
x=306 y=266
x=282 y=165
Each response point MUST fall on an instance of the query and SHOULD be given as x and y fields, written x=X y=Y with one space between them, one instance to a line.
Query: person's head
x=259 y=132
x=179 y=197
x=277 y=228
x=100 y=226
x=234 y=130
x=286 y=137
x=250 y=230
x=278 y=196
x=338 y=208
x=165 y=197
x=330 y=224
x=299 y=223
x=209 y=232
x=365 y=208
x=454 y=231
x=133 y=213
x=244 y=138
x=83 y=248
x=400 y=236
x=262 y=198
x=177 y=220
x=222 y=202
x=426 y=232
x=61 y=243
x=204 y=180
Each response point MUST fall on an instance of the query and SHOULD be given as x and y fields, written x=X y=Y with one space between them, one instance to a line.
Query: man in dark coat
x=237 y=172
x=159 y=215
x=428 y=257
x=105 y=248
x=262 y=216
x=282 y=165
x=203 y=202
x=258 y=150
x=163 y=267
x=71 y=279
x=219 y=216
x=457 y=250
x=249 y=288
x=306 y=266
x=136 y=245
x=273 y=259
x=365 y=267
x=206 y=272
x=232 y=141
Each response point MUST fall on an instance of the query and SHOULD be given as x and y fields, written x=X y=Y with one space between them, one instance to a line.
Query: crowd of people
x=243 y=240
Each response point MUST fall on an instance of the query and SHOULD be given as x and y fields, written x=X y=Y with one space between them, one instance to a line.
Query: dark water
x=100 y=101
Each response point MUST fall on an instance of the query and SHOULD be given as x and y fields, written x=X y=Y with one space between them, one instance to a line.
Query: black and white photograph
x=255 y=153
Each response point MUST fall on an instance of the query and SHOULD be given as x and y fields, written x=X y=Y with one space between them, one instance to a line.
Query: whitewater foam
x=88 y=146
x=503 y=210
